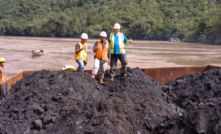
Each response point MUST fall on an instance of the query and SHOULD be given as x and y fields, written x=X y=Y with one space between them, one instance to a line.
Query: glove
x=85 y=63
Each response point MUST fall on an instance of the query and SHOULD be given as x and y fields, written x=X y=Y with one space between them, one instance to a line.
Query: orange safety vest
x=102 y=53
x=3 y=76
x=82 y=54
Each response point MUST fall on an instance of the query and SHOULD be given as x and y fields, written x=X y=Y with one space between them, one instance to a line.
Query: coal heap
x=74 y=103
x=195 y=88
x=200 y=97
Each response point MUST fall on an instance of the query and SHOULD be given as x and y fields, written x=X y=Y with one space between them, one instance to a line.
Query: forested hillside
x=190 y=20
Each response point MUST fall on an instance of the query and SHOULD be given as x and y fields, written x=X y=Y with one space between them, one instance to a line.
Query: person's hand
x=108 y=62
x=85 y=63
x=1 y=81
x=85 y=47
x=131 y=40
x=95 y=50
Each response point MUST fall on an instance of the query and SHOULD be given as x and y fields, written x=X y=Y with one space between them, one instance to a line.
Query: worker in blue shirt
x=117 y=40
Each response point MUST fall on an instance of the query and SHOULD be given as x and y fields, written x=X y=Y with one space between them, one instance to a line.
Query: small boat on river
x=174 y=40
x=37 y=53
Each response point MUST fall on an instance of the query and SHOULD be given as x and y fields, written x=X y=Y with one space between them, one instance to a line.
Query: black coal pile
x=73 y=103
x=195 y=88
x=200 y=97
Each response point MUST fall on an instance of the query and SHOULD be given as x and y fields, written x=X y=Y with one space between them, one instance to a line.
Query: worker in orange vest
x=101 y=57
x=3 y=79
x=81 y=52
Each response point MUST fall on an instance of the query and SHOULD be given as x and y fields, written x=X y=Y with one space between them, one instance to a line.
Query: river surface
x=143 y=54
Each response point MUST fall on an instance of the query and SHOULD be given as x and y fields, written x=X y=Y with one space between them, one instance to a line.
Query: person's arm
x=95 y=47
x=109 y=54
x=126 y=40
x=77 y=48
x=109 y=38
x=1 y=77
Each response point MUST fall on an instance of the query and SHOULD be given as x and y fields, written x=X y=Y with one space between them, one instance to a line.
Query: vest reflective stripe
x=121 y=43
x=102 y=53
x=82 y=54
x=4 y=76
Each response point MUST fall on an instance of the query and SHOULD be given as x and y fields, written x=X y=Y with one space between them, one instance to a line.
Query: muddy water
x=144 y=54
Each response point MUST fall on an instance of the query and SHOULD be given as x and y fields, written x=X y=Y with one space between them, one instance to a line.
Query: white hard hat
x=84 y=36
x=116 y=26
x=103 y=34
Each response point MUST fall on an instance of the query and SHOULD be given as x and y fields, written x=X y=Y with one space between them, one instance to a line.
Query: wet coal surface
x=74 y=103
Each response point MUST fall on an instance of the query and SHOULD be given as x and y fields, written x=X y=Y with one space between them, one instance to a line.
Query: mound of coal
x=195 y=88
x=68 y=102
x=200 y=97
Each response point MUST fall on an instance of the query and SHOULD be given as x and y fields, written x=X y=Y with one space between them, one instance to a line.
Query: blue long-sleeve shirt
x=116 y=43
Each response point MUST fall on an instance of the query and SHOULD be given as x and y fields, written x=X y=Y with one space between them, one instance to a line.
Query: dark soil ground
x=50 y=102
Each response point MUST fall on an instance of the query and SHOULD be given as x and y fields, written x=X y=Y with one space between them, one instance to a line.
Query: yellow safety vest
x=121 y=43
x=3 y=76
x=82 y=54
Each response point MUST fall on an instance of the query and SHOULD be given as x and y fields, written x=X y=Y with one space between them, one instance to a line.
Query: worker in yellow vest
x=81 y=52
x=101 y=57
x=117 y=41
x=3 y=79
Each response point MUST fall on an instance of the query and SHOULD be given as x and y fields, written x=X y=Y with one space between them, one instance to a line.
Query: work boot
x=101 y=81
x=123 y=74
x=80 y=70
x=112 y=78
x=93 y=76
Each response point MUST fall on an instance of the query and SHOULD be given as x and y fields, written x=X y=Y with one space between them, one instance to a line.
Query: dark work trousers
x=4 y=90
x=113 y=64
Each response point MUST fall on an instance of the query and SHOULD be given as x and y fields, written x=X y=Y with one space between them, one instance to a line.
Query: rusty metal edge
x=13 y=79
x=164 y=75
x=209 y=67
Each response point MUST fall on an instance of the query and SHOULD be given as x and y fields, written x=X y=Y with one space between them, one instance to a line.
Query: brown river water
x=143 y=54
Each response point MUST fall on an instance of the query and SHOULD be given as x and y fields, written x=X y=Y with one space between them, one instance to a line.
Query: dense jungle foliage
x=189 y=20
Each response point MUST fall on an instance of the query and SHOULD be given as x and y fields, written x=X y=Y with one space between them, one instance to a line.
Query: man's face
x=103 y=39
x=2 y=64
x=83 y=40
x=116 y=31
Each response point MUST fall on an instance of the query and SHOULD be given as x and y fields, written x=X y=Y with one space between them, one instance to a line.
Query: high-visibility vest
x=3 y=76
x=102 y=53
x=121 y=43
x=82 y=54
